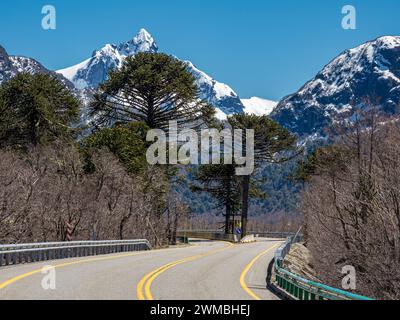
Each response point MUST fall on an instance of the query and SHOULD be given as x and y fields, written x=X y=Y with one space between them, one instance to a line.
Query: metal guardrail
x=209 y=235
x=35 y=252
x=5 y=247
x=220 y=235
x=277 y=235
x=303 y=289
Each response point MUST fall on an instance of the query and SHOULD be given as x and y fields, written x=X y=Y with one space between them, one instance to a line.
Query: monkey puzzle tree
x=272 y=144
x=150 y=87
x=126 y=142
x=35 y=109
x=221 y=182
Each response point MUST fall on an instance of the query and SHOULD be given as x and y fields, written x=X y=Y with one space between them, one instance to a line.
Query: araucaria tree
x=35 y=109
x=272 y=144
x=221 y=182
x=152 y=88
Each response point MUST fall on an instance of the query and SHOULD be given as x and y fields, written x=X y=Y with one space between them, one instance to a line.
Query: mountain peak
x=388 y=41
x=94 y=71
x=144 y=35
x=142 y=42
x=371 y=70
x=3 y=52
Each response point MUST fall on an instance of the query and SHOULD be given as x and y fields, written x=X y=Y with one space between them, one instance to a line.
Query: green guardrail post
x=291 y=288
x=306 y=295
x=301 y=293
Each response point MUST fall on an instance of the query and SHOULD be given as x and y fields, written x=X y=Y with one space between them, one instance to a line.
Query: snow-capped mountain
x=370 y=70
x=218 y=94
x=7 y=68
x=11 y=65
x=93 y=71
x=258 y=106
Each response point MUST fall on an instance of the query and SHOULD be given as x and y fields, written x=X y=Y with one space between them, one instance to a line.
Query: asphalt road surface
x=204 y=270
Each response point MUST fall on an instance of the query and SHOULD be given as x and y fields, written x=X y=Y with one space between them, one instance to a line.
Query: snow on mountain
x=70 y=72
x=93 y=71
x=86 y=76
x=142 y=42
x=7 y=68
x=258 y=106
x=11 y=65
x=340 y=89
x=218 y=94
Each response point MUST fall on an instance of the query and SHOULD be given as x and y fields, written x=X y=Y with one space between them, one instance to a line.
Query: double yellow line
x=143 y=289
x=247 y=269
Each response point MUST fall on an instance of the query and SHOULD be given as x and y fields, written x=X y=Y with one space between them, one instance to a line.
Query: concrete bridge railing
x=35 y=252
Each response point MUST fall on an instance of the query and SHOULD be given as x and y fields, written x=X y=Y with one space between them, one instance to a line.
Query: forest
x=95 y=177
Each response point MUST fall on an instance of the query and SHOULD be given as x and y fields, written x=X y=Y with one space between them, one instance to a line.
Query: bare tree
x=351 y=208
x=45 y=188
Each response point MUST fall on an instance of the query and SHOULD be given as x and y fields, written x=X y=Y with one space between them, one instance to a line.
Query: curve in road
x=209 y=270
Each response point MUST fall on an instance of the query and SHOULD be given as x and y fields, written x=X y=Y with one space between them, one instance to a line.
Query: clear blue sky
x=266 y=48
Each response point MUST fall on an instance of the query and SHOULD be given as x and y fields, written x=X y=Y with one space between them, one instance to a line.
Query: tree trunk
x=245 y=204
x=175 y=230
x=227 y=216
x=33 y=136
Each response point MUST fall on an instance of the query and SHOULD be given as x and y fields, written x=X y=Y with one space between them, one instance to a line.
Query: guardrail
x=299 y=288
x=209 y=235
x=34 y=252
x=277 y=235
x=220 y=235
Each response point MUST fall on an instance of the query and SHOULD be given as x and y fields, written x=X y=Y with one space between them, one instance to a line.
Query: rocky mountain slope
x=370 y=70
x=93 y=71
x=11 y=65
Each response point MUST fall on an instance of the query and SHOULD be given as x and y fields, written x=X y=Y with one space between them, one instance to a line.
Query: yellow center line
x=247 y=269
x=143 y=289
x=63 y=265
x=76 y=262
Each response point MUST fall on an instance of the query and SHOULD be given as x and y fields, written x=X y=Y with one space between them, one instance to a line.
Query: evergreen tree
x=221 y=182
x=272 y=144
x=126 y=142
x=332 y=156
x=153 y=88
x=36 y=109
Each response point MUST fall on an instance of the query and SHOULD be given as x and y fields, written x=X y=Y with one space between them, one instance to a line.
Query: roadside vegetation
x=351 y=206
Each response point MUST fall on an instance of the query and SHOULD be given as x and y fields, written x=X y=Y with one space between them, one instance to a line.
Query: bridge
x=205 y=269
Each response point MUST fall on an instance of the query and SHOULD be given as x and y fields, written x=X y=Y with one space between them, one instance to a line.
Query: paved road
x=205 y=270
